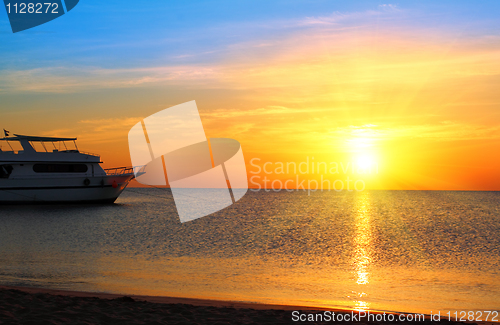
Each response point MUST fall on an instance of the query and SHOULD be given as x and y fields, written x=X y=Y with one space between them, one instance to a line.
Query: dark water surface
x=414 y=251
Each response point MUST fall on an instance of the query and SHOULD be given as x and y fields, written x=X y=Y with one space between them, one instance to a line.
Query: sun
x=365 y=162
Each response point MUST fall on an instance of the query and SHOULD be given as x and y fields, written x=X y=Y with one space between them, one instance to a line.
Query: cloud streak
x=240 y=64
x=444 y=131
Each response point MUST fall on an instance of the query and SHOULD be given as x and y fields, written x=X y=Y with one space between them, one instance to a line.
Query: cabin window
x=60 y=168
x=5 y=171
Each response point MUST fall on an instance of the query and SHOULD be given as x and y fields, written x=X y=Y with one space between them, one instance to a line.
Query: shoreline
x=199 y=302
x=32 y=305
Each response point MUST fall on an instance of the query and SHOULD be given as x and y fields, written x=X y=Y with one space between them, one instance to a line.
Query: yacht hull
x=102 y=189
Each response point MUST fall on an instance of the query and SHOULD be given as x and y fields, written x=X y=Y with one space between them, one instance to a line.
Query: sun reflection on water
x=362 y=249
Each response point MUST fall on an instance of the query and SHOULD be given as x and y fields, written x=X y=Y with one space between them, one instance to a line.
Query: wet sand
x=22 y=305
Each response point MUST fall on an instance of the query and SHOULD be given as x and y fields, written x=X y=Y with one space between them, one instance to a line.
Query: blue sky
x=127 y=34
x=116 y=44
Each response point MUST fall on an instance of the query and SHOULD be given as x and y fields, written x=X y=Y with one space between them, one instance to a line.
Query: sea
x=402 y=251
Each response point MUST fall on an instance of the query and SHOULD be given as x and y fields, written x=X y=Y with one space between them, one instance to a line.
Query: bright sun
x=365 y=161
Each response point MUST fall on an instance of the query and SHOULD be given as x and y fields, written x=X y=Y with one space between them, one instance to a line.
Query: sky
x=400 y=95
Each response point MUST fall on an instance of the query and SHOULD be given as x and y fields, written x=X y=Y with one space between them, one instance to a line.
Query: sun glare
x=365 y=161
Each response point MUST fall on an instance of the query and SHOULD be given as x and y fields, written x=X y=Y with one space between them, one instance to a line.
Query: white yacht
x=48 y=170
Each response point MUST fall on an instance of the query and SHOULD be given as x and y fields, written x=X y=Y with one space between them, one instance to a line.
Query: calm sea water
x=413 y=251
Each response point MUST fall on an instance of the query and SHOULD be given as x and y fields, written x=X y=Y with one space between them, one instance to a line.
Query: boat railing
x=89 y=153
x=119 y=171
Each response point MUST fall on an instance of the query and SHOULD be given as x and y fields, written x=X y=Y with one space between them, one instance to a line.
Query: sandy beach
x=23 y=305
